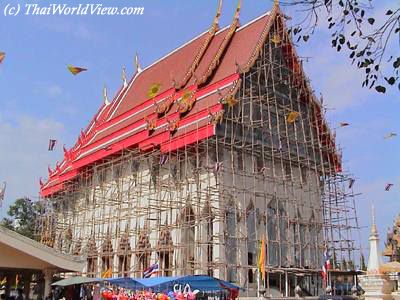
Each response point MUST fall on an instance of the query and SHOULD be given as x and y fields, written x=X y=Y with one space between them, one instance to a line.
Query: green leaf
x=396 y=64
x=371 y=21
x=391 y=80
x=380 y=89
x=389 y=12
x=306 y=37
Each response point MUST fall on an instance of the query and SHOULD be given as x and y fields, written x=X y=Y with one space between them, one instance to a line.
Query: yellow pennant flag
x=107 y=273
x=261 y=259
x=292 y=116
x=75 y=70
x=4 y=281
x=2 y=56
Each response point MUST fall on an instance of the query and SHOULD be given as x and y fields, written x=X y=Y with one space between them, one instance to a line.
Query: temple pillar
x=10 y=276
x=27 y=276
x=48 y=277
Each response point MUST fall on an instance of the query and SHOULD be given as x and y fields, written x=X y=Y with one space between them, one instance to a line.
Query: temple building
x=199 y=157
x=392 y=243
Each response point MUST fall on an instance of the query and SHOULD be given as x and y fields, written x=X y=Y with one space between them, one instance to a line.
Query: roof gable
x=194 y=80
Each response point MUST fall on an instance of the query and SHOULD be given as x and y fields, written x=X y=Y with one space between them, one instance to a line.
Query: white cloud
x=64 y=25
x=386 y=206
x=48 y=89
x=23 y=154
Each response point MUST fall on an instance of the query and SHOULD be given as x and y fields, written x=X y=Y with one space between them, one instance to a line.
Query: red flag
x=326 y=266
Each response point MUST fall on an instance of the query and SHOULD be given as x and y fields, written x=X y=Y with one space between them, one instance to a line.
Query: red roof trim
x=190 y=138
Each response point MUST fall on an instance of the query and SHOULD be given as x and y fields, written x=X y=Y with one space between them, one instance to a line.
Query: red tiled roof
x=208 y=68
x=212 y=57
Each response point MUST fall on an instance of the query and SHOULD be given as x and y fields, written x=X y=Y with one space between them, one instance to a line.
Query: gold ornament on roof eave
x=173 y=125
x=231 y=101
x=151 y=124
x=154 y=90
x=186 y=95
x=164 y=106
x=216 y=118
x=186 y=102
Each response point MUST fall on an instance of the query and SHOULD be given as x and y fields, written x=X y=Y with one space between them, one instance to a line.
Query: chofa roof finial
x=137 y=64
x=123 y=76
x=218 y=14
x=105 y=96
x=237 y=13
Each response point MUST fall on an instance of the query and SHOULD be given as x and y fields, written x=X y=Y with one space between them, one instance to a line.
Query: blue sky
x=40 y=99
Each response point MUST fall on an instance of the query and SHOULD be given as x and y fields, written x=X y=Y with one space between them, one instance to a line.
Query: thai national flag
x=351 y=182
x=326 y=265
x=52 y=144
x=153 y=269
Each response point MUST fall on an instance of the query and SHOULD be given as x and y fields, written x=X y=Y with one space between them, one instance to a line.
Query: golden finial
x=373 y=227
x=219 y=10
x=238 y=9
x=214 y=26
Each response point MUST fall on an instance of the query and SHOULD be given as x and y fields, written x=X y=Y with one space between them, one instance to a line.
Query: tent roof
x=76 y=280
x=199 y=282
x=20 y=252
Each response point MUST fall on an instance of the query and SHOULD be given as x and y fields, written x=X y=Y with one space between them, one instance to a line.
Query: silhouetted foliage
x=372 y=43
